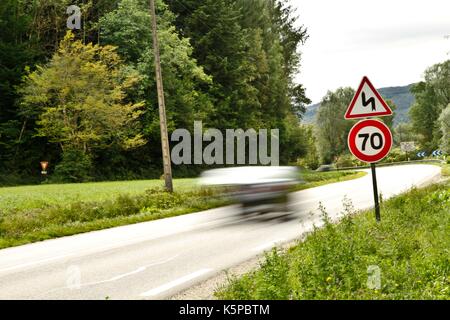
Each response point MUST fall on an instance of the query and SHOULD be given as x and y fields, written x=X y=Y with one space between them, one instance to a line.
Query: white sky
x=390 y=41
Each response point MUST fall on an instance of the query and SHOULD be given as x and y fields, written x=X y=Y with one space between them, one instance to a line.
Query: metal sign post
x=407 y=147
x=375 y=192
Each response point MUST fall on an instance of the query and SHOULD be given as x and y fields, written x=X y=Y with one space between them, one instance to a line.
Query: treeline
x=429 y=126
x=86 y=101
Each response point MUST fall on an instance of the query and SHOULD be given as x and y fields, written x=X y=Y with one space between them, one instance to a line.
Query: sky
x=390 y=41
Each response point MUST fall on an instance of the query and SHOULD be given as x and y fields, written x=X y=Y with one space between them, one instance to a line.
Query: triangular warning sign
x=367 y=102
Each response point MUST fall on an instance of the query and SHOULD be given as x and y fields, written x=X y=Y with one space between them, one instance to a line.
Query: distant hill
x=401 y=96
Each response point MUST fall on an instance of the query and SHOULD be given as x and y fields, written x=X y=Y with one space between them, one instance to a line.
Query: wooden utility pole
x=161 y=103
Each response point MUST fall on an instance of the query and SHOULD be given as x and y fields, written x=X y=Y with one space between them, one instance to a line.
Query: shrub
x=344 y=161
x=75 y=166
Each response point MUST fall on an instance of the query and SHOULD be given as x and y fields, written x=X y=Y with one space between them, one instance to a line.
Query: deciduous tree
x=79 y=99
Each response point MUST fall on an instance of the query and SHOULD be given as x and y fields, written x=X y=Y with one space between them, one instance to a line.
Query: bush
x=396 y=155
x=345 y=161
x=75 y=166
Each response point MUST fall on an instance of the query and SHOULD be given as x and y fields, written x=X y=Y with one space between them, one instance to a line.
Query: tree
x=310 y=159
x=250 y=48
x=389 y=120
x=444 y=120
x=404 y=132
x=30 y=32
x=18 y=50
x=79 y=99
x=295 y=142
x=331 y=127
x=185 y=82
x=432 y=96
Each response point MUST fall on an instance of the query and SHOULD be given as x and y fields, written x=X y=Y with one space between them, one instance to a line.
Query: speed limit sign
x=370 y=140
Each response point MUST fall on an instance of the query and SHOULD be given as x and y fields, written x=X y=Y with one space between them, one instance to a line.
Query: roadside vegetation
x=25 y=225
x=315 y=179
x=34 y=213
x=99 y=121
x=410 y=247
x=446 y=169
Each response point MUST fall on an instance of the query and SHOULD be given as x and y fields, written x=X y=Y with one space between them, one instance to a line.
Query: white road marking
x=126 y=274
x=77 y=252
x=268 y=244
x=175 y=283
x=132 y=272
x=85 y=251
x=89 y=284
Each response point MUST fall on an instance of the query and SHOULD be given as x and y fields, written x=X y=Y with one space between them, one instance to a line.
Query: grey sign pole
x=375 y=192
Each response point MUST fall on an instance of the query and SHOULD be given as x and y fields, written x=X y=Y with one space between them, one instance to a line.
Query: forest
x=86 y=101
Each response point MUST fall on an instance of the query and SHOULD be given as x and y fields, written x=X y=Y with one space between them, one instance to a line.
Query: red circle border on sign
x=370 y=123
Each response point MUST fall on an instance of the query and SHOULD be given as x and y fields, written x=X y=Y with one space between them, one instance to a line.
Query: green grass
x=411 y=248
x=35 y=213
x=41 y=196
x=446 y=170
x=24 y=226
x=315 y=179
x=30 y=197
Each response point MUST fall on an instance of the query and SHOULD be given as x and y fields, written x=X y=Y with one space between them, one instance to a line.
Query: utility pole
x=161 y=103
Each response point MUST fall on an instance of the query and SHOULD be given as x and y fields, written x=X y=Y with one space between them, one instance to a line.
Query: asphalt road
x=155 y=260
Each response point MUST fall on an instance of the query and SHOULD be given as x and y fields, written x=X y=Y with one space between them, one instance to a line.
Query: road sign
x=370 y=140
x=367 y=102
x=437 y=153
x=421 y=154
x=44 y=166
x=408 y=146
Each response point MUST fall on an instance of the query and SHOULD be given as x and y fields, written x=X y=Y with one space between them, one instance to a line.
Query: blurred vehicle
x=257 y=189
x=326 y=168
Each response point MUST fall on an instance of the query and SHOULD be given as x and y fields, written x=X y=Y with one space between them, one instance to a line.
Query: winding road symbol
x=367 y=103
x=371 y=101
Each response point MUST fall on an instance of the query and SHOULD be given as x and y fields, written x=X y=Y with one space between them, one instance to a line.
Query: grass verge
x=314 y=179
x=446 y=170
x=24 y=226
x=34 y=213
x=410 y=248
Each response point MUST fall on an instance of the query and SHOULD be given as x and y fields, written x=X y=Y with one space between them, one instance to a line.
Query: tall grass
x=19 y=226
x=410 y=247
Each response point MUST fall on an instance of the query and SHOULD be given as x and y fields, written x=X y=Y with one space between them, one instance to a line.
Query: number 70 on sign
x=370 y=140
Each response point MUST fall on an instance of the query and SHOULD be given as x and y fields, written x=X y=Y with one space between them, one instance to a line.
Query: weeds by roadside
x=410 y=250
x=24 y=226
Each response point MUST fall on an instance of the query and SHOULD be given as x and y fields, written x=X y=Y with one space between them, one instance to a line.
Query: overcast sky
x=390 y=41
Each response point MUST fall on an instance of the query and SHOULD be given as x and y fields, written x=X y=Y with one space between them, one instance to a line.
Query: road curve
x=157 y=259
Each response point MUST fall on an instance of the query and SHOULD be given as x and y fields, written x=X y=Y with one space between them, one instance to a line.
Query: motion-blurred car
x=326 y=168
x=257 y=189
